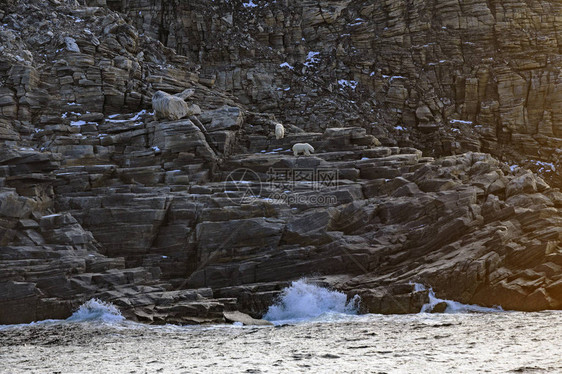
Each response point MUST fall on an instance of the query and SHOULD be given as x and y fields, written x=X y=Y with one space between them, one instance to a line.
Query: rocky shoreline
x=179 y=221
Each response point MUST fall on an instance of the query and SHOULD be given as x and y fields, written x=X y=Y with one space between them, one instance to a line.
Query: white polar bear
x=304 y=148
x=279 y=131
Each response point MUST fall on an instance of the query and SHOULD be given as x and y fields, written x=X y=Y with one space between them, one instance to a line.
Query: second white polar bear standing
x=279 y=131
x=305 y=148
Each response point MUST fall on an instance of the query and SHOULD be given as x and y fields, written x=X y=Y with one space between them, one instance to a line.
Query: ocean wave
x=96 y=310
x=303 y=301
x=452 y=306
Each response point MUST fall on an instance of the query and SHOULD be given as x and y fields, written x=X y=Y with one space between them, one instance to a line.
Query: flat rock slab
x=237 y=316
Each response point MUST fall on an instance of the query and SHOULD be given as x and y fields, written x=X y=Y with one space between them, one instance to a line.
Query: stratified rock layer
x=180 y=221
x=443 y=76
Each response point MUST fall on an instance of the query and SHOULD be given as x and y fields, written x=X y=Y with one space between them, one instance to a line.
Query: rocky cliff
x=181 y=220
x=443 y=76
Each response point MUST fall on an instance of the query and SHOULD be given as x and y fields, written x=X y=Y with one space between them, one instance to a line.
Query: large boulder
x=223 y=118
x=168 y=106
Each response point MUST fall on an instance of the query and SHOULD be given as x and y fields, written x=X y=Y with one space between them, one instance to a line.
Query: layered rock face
x=181 y=219
x=444 y=76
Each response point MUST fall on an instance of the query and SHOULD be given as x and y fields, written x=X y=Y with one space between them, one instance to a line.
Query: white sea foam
x=452 y=306
x=93 y=310
x=96 y=310
x=303 y=301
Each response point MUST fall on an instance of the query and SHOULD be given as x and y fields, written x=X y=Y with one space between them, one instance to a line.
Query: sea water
x=316 y=330
x=307 y=302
